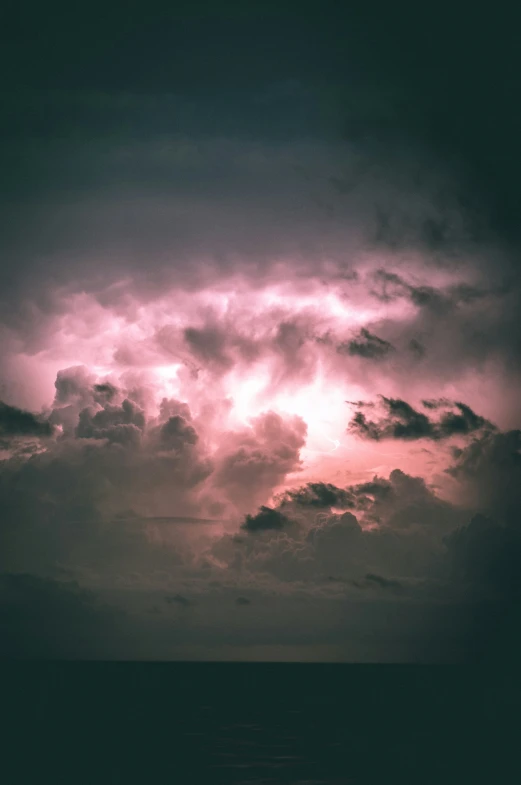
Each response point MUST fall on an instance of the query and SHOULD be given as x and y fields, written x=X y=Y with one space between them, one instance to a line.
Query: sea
x=252 y=724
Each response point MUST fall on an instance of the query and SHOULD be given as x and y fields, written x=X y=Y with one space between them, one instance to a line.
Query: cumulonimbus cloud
x=186 y=331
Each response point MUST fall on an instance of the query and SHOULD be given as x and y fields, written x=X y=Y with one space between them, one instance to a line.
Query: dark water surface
x=253 y=724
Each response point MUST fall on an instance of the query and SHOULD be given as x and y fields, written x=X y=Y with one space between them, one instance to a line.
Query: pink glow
x=240 y=349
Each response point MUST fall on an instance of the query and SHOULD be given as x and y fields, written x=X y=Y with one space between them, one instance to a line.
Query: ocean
x=254 y=724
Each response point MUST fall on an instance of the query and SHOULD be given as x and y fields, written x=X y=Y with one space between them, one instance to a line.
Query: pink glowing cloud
x=232 y=354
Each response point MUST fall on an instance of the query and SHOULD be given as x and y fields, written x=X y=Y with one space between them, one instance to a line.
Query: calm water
x=219 y=724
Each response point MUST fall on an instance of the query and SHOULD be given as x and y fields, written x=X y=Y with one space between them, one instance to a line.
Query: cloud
x=176 y=432
x=464 y=421
x=371 y=580
x=366 y=345
x=267 y=518
x=73 y=385
x=44 y=618
x=456 y=327
x=487 y=555
x=279 y=249
x=399 y=502
x=119 y=424
x=417 y=348
x=485 y=567
x=209 y=345
x=488 y=471
x=178 y=599
x=104 y=392
x=395 y=527
x=63 y=506
x=320 y=495
x=392 y=286
x=251 y=463
x=396 y=558
x=404 y=422
x=17 y=422
x=336 y=542
x=95 y=494
x=436 y=403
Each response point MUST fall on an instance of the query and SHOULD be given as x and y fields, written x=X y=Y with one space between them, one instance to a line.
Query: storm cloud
x=366 y=345
x=17 y=422
x=259 y=333
x=402 y=421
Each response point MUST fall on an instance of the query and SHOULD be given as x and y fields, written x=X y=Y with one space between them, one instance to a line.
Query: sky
x=259 y=333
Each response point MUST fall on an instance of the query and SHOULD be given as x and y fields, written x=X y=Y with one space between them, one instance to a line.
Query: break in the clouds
x=259 y=345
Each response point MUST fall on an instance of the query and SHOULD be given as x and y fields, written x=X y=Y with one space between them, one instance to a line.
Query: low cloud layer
x=90 y=508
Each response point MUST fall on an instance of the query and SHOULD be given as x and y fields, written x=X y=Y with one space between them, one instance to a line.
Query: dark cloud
x=364 y=427
x=62 y=506
x=44 y=618
x=104 y=392
x=242 y=601
x=99 y=496
x=402 y=421
x=366 y=345
x=178 y=599
x=392 y=286
x=266 y=519
x=209 y=345
x=417 y=348
x=464 y=421
x=344 y=525
x=460 y=322
x=176 y=432
x=119 y=424
x=441 y=229
x=484 y=554
x=399 y=502
x=436 y=403
x=487 y=555
x=489 y=472
x=16 y=422
x=321 y=495
x=338 y=545
x=428 y=297
x=371 y=580
x=485 y=563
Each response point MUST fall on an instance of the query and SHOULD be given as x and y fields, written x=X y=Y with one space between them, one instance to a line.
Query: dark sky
x=447 y=74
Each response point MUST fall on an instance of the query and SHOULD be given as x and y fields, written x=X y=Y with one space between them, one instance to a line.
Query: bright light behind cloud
x=235 y=338
x=322 y=407
x=239 y=349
